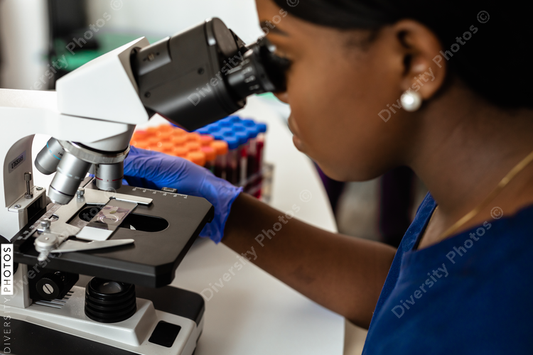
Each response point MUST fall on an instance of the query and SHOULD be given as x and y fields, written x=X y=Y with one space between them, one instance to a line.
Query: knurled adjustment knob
x=109 y=301
x=49 y=287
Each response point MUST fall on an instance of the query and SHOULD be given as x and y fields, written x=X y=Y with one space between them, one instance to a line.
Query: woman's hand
x=156 y=170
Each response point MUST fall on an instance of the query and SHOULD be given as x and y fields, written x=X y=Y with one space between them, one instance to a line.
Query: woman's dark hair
x=484 y=42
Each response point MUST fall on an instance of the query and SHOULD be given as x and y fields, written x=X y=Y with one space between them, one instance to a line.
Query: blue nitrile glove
x=156 y=170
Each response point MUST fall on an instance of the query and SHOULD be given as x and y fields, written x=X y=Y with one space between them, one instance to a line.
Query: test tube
x=193 y=146
x=178 y=132
x=152 y=143
x=139 y=136
x=193 y=137
x=243 y=137
x=152 y=131
x=234 y=162
x=234 y=119
x=165 y=128
x=210 y=157
x=164 y=136
x=202 y=131
x=139 y=139
x=260 y=143
x=180 y=151
x=232 y=170
x=213 y=128
x=197 y=158
x=205 y=140
x=221 y=149
x=253 y=164
x=179 y=140
x=226 y=122
x=141 y=145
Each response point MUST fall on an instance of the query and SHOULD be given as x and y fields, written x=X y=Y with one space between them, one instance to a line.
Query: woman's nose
x=282 y=96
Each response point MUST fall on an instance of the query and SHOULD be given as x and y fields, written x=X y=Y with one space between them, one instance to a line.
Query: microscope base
x=168 y=321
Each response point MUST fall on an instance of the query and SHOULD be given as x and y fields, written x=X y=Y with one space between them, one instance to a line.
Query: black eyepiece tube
x=204 y=74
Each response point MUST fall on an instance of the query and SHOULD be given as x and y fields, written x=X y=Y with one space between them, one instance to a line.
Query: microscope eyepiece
x=260 y=71
x=205 y=74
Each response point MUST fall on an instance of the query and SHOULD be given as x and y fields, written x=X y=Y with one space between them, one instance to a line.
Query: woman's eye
x=282 y=61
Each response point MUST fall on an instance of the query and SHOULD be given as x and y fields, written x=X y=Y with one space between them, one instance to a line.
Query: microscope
x=130 y=239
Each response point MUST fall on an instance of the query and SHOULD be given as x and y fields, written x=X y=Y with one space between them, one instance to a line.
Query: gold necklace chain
x=503 y=183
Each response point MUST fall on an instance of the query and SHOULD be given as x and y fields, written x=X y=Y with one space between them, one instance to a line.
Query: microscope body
x=145 y=233
x=92 y=115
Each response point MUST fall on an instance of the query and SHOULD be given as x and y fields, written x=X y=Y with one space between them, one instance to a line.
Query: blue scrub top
x=469 y=294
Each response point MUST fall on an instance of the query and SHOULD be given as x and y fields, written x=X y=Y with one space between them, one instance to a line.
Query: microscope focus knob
x=52 y=285
x=49 y=287
x=109 y=301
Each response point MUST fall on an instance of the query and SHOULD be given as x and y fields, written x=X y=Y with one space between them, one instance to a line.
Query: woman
x=458 y=282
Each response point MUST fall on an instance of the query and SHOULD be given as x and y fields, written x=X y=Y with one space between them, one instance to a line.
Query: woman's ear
x=420 y=47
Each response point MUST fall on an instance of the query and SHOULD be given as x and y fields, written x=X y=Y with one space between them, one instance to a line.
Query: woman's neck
x=466 y=147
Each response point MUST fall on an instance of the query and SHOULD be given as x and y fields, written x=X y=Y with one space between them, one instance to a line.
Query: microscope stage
x=163 y=232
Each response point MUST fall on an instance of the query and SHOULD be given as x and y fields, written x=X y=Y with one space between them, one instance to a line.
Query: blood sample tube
x=152 y=131
x=210 y=157
x=180 y=151
x=253 y=164
x=167 y=147
x=205 y=140
x=179 y=140
x=167 y=128
x=165 y=136
x=225 y=122
x=193 y=137
x=141 y=145
x=178 y=132
x=153 y=143
x=260 y=144
x=193 y=146
x=232 y=173
x=221 y=149
x=243 y=137
x=232 y=162
x=213 y=128
x=139 y=135
x=197 y=158
x=234 y=119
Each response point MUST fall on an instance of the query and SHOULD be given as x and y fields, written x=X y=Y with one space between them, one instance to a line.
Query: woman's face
x=341 y=94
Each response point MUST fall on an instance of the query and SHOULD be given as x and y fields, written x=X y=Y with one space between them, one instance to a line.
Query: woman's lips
x=297 y=143
x=294 y=130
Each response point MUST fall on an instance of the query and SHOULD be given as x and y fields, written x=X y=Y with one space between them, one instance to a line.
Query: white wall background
x=24 y=27
x=167 y=17
x=24 y=41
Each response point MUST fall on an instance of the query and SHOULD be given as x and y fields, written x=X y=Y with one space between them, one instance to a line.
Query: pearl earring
x=411 y=101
